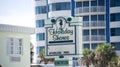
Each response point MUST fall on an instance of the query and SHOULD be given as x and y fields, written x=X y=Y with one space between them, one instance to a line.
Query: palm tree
x=115 y=62
x=41 y=55
x=88 y=57
x=104 y=54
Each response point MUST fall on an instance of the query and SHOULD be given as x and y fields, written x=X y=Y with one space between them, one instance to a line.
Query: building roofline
x=19 y=29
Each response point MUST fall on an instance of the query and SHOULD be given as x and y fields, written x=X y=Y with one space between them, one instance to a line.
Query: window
x=94 y=45
x=86 y=46
x=14 y=46
x=93 y=32
x=114 y=3
x=101 y=17
x=40 y=36
x=85 y=18
x=101 y=32
x=116 y=45
x=115 y=31
x=39 y=23
x=101 y=2
x=40 y=49
x=85 y=3
x=93 y=3
x=98 y=32
x=115 y=17
x=93 y=17
x=85 y=32
x=59 y=6
x=40 y=9
x=78 y=4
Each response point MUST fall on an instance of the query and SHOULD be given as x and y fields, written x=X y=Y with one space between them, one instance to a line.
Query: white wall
x=5 y=58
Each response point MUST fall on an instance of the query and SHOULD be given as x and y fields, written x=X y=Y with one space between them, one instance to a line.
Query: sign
x=61 y=49
x=61 y=32
x=61 y=62
x=60 y=37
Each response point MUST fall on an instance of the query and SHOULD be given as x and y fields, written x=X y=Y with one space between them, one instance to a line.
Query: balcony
x=97 y=23
x=94 y=24
x=94 y=38
x=89 y=9
x=86 y=38
x=97 y=9
x=98 y=38
x=86 y=24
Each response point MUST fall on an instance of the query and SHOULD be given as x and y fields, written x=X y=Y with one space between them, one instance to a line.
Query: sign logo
x=60 y=23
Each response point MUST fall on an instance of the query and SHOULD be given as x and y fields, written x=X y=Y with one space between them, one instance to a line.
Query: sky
x=17 y=12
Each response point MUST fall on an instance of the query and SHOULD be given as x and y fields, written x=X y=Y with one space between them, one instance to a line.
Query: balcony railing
x=90 y=9
x=86 y=24
x=94 y=24
x=98 y=38
x=94 y=38
x=86 y=38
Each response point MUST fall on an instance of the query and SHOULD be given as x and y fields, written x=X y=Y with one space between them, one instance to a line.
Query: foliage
x=103 y=56
x=88 y=56
x=42 y=53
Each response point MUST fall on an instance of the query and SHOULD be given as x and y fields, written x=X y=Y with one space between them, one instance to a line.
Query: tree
x=41 y=55
x=31 y=52
x=104 y=54
x=115 y=62
x=88 y=57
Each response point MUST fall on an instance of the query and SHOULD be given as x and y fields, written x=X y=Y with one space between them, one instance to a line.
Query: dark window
x=86 y=46
x=93 y=3
x=115 y=31
x=85 y=32
x=101 y=17
x=39 y=23
x=85 y=18
x=101 y=2
x=40 y=36
x=101 y=32
x=114 y=3
x=40 y=9
x=116 y=45
x=94 y=45
x=85 y=3
x=59 y=6
x=115 y=17
x=78 y=4
x=93 y=17
x=93 y=32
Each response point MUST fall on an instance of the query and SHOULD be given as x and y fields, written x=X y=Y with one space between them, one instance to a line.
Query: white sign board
x=60 y=38
x=61 y=49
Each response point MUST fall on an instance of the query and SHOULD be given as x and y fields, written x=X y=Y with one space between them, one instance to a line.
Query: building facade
x=101 y=20
x=15 y=46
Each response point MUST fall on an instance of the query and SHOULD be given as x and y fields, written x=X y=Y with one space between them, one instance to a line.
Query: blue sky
x=17 y=12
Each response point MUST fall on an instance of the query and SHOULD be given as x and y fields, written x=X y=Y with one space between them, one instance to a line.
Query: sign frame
x=58 y=44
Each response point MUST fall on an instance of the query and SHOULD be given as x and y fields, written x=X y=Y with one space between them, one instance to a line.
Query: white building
x=101 y=20
x=15 y=46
